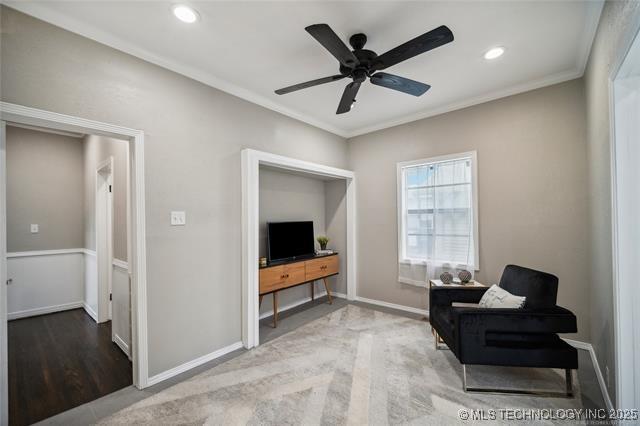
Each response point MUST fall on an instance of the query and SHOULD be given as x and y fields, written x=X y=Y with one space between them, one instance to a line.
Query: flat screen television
x=289 y=240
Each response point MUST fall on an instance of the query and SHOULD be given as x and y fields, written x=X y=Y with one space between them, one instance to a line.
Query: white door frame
x=251 y=162
x=136 y=223
x=626 y=295
x=104 y=231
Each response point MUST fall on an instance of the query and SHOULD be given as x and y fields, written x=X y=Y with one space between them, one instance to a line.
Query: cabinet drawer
x=318 y=268
x=283 y=276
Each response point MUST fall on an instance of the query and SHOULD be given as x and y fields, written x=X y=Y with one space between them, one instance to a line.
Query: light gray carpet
x=352 y=366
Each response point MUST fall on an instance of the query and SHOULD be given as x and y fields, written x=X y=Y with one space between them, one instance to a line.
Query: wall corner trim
x=120 y=264
x=90 y=311
x=193 y=364
x=122 y=345
x=596 y=366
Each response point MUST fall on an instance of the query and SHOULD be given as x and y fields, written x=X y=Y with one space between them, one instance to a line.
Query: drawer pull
x=284 y=276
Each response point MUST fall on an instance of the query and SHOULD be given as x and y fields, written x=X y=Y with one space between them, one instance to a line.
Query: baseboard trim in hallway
x=43 y=311
x=193 y=363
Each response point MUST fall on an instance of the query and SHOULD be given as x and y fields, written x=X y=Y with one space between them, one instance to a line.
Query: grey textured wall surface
x=96 y=149
x=619 y=23
x=193 y=138
x=44 y=187
x=532 y=191
x=289 y=197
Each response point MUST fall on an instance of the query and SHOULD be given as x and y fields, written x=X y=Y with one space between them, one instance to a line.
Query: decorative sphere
x=446 y=278
x=465 y=276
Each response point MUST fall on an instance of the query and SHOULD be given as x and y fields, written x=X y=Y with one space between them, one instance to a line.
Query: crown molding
x=41 y=11
x=491 y=96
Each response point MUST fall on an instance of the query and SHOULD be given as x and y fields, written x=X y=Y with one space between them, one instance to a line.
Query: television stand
x=283 y=275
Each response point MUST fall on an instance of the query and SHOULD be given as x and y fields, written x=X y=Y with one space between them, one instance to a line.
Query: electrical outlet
x=606 y=373
x=35 y=228
x=178 y=218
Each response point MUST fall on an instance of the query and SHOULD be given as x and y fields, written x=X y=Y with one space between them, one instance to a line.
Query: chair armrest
x=445 y=296
x=481 y=320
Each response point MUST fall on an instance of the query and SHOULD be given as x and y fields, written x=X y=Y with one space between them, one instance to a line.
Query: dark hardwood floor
x=59 y=361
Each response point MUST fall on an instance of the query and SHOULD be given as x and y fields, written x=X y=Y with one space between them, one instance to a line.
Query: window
x=437 y=210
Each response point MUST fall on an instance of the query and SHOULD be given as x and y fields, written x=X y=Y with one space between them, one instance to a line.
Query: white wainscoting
x=90 y=283
x=121 y=309
x=44 y=281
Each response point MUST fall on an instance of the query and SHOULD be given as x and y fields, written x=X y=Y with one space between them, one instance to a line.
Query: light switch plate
x=35 y=228
x=178 y=218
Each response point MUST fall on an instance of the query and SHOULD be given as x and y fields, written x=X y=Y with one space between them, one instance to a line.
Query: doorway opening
x=625 y=156
x=60 y=238
x=126 y=265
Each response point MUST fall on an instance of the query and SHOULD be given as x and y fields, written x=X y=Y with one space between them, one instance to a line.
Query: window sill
x=443 y=263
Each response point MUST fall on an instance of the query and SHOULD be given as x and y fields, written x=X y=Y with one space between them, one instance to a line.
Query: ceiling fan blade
x=400 y=84
x=424 y=43
x=330 y=40
x=311 y=83
x=348 y=97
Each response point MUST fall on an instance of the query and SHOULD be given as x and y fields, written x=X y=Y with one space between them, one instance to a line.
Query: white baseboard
x=192 y=364
x=596 y=366
x=122 y=345
x=301 y=302
x=424 y=312
x=90 y=311
x=44 y=310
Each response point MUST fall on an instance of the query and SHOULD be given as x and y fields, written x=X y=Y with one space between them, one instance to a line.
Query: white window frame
x=473 y=156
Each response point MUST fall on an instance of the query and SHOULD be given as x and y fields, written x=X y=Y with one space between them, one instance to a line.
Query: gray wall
x=289 y=197
x=335 y=205
x=193 y=138
x=96 y=149
x=618 y=25
x=532 y=192
x=44 y=187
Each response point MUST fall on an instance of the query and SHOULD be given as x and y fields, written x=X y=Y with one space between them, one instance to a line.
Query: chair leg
x=567 y=394
x=439 y=342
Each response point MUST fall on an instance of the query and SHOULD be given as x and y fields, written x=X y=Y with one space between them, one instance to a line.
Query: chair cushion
x=539 y=288
x=497 y=297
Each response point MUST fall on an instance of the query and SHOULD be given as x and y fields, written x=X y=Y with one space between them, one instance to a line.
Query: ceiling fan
x=359 y=63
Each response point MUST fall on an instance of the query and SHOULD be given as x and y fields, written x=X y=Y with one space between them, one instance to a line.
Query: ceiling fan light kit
x=360 y=63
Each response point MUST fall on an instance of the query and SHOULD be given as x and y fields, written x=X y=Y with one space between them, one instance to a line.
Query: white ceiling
x=250 y=49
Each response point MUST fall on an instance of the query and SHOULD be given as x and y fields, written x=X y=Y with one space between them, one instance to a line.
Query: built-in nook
x=297 y=196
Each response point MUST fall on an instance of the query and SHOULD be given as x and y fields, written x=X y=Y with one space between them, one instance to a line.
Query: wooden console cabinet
x=274 y=278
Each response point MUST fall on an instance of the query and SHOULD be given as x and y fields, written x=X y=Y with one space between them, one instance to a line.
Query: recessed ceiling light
x=494 y=53
x=185 y=13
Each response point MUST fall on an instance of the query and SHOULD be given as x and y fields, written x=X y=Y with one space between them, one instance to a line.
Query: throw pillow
x=497 y=297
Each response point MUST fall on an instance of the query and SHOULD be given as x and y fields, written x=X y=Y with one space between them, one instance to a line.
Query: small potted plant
x=322 y=240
